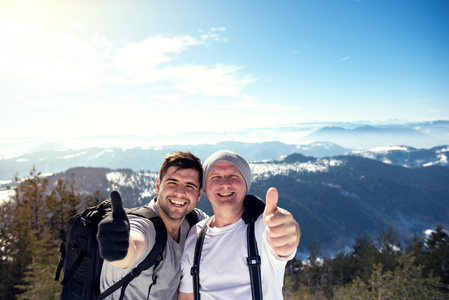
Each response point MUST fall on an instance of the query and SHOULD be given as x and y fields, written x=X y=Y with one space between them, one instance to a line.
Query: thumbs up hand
x=113 y=231
x=283 y=232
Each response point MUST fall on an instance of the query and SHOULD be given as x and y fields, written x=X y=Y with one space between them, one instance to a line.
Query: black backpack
x=80 y=256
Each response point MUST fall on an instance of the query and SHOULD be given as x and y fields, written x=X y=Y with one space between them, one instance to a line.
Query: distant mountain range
x=370 y=136
x=335 y=199
x=338 y=181
x=418 y=135
x=349 y=135
x=138 y=159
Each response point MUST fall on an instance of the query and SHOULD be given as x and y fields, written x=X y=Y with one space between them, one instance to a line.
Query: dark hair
x=182 y=160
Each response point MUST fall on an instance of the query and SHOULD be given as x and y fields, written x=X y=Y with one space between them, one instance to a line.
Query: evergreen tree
x=62 y=202
x=38 y=277
x=356 y=290
x=381 y=283
x=342 y=269
x=33 y=223
x=9 y=272
x=408 y=282
x=437 y=254
x=363 y=257
x=389 y=248
x=312 y=272
x=24 y=219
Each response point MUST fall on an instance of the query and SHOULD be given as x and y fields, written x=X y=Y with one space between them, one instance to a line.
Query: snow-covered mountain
x=138 y=159
x=368 y=136
x=53 y=161
x=406 y=156
x=338 y=198
x=338 y=182
x=335 y=199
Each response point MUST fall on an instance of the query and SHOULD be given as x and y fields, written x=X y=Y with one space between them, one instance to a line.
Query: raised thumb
x=271 y=201
x=118 y=212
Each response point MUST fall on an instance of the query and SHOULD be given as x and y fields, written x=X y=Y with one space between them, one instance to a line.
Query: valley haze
x=349 y=135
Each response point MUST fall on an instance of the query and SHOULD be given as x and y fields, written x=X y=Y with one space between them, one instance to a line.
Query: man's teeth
x=225 y=194
x=176 y=202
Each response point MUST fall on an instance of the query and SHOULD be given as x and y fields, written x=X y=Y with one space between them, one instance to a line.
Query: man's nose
x=180 y=189
x=225 y=181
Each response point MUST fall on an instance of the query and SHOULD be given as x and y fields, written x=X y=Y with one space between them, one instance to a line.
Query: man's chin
x=179 y=213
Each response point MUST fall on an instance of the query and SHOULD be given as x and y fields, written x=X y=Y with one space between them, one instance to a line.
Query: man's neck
x=172 y=226
x=222 y=219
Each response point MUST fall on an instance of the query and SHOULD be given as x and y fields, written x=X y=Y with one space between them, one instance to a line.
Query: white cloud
x=219 y=80
x=154 y=61
x=135 y=59
x=215 y=29
x=74 y=59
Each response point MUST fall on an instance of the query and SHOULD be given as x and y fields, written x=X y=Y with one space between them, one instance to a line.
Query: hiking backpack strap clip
x=254 y=207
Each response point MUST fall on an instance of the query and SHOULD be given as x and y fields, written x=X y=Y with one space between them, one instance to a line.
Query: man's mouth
x=225 y=194
x=178 y=203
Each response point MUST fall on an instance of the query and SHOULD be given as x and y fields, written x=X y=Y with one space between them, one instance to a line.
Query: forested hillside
x=33 y=224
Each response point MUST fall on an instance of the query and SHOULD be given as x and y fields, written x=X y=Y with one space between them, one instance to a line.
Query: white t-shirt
x=224 y=272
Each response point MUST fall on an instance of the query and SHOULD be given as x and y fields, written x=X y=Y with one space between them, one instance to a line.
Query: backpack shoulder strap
x=155 y=255
x=254 y=207
x=195 y=270
x=192 y=217
x=253 y=261
x=153 y=258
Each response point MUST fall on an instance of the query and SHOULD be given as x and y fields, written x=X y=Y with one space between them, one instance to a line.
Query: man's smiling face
x=178 y=192
x=225 y=187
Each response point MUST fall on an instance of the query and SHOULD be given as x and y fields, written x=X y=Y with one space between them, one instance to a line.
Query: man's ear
x=158 y=184
x=199 y=195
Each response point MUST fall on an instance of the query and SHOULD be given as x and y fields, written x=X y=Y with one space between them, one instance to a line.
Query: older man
x=223 y=266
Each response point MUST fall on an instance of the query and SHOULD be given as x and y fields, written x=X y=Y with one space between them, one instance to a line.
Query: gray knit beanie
x=231 y=157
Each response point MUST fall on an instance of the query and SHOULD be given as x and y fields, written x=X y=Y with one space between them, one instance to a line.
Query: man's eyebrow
x=176 y=180
x=218 y=173
x=172 y=179
x=192 y=183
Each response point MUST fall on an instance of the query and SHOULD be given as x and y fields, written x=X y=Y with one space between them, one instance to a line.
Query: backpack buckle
x=253 y=260
x=195 y=270
x=136 y=272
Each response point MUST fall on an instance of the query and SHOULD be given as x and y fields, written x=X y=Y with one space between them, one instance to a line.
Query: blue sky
x=72 y=69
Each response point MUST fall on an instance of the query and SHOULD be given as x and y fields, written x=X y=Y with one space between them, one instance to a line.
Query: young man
x=223 y=266
x=126 y=240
